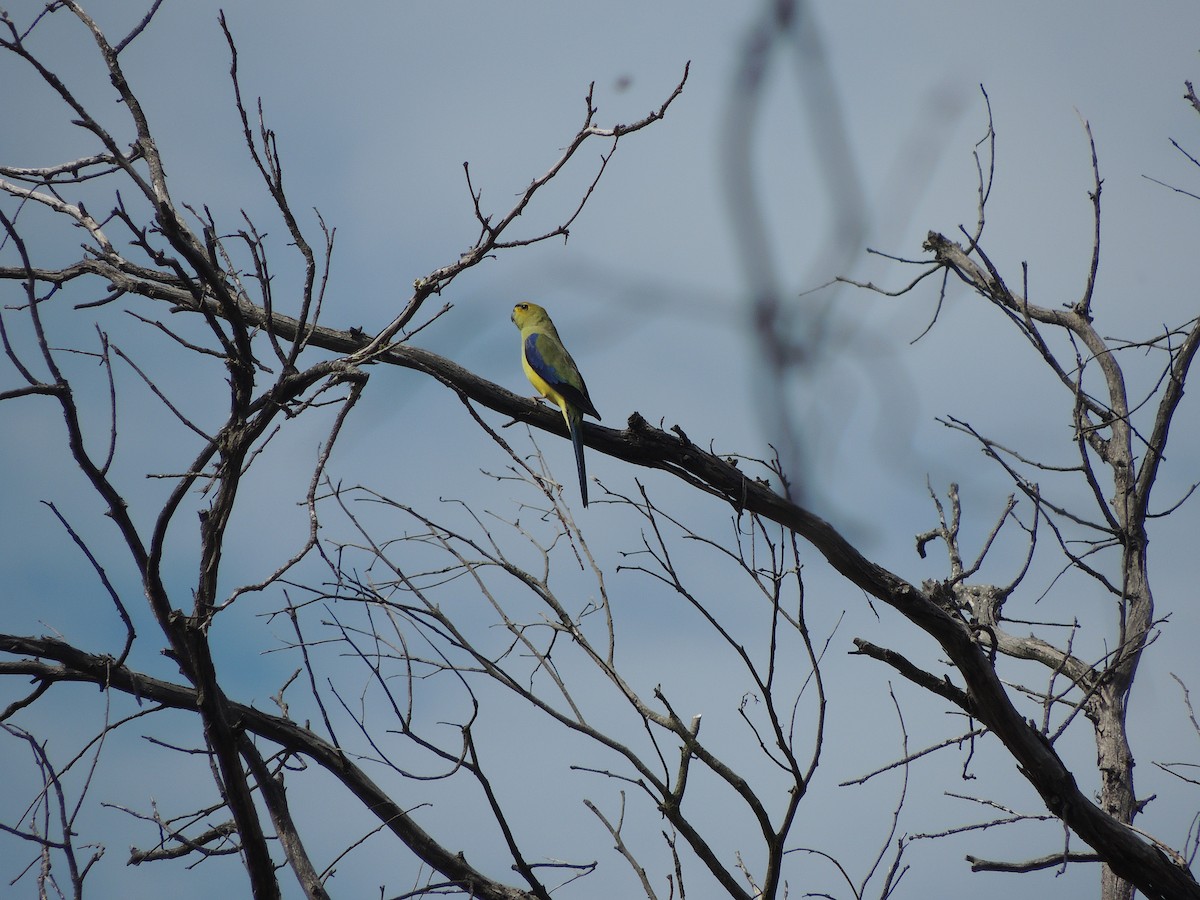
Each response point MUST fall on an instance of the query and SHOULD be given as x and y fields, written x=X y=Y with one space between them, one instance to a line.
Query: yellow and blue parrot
x=551 y=370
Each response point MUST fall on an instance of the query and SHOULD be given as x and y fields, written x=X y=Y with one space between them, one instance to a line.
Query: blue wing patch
x=577 y=396
x=538 y=363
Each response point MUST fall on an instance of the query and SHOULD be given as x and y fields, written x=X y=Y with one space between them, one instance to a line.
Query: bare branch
x=1031 y=865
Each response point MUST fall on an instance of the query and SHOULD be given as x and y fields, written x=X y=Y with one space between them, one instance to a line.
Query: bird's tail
x=575 y=426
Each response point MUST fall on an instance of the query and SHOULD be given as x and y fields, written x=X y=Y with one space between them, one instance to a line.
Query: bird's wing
x=549 y=359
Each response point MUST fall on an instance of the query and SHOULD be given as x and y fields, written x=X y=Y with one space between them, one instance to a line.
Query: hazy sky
x=376 y=107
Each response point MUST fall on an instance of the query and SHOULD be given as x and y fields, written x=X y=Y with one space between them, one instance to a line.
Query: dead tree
x=380 y=596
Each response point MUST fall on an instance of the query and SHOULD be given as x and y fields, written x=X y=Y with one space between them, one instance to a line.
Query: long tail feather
x=574 y=425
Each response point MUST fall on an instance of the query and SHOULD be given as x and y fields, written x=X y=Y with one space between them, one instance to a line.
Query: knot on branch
x=951 y=254
x=980 y=604
x=982 y=601
x=941 y=593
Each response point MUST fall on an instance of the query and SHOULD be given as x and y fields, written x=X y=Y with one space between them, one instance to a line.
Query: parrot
x=551 y=370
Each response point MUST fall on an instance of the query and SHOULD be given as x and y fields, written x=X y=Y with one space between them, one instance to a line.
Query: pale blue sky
x=376 y=107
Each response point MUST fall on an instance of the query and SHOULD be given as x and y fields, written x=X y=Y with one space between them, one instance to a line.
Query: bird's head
x=524 y=314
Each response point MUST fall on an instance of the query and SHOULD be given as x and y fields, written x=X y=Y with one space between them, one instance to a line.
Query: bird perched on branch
x=551 y=370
